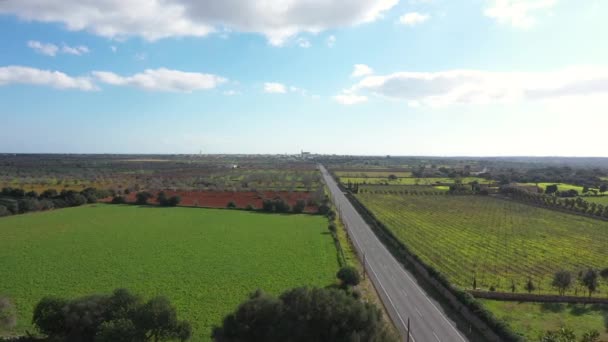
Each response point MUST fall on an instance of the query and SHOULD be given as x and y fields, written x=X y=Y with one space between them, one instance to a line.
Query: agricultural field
x=205 y=261
x=373 y=174
x=534 y=319
x=560 y=186
x=603 y=200
x=497 y=242
x=412 y=181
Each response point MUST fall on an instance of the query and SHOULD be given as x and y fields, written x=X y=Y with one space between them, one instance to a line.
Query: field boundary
x=549 y=207
x=530 y=297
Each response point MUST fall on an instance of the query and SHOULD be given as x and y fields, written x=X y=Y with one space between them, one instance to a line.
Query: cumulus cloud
x=479 y=87
x=413 y=18
x=33 y=76
x=331 y=41
x=517 y=13
x=349 y=98
x=162 y=80
x=52 y=49
x=275 y=88
x=304 y=43
x=278 y=20
x=361 y=70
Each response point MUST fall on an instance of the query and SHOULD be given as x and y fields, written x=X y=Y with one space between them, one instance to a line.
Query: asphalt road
x=402 y=296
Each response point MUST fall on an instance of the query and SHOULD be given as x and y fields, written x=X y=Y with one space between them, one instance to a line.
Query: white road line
x=438 y=340
x=418 y=311
x=404 y=293
x=391 y=301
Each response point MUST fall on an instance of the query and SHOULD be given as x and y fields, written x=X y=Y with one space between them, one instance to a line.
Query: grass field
x=499 y=241
x=533 y=319
x=603 y=200
x=410 y=181
x=373 y=174
x=205 y=261
x=560 y=186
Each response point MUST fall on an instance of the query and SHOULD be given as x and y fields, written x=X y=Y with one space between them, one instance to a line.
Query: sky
x=363 y=77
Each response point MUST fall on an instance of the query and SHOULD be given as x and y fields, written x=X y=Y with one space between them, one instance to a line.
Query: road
x=402 y=296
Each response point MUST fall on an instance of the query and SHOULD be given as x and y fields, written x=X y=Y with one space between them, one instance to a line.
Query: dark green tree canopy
x=303 y=315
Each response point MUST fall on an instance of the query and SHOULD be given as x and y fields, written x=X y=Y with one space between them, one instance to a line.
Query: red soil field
x=220 y=199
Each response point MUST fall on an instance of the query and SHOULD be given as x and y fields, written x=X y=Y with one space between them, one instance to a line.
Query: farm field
x=205 y=261
x=373 y=174
x=534 y=319
x=219 y=199
x=560 y=186
x=499 y=242
x=603 y=200
x=411 y=181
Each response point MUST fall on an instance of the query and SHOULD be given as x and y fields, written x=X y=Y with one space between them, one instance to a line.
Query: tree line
x=16 y=201
x=578 y=204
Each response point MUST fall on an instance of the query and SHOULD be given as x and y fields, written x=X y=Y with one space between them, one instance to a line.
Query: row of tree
x=563 y=280
x=143 y=198
x=17 y=201
x=572 y=204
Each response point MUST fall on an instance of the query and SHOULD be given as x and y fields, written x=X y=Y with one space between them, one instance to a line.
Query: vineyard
x=497 y=243
x=412 y=181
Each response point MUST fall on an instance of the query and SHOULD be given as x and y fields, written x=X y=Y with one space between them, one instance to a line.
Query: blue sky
x=409 y=77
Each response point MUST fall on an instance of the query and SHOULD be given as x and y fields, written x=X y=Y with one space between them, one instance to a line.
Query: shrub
x=231 y=205
x=142 y=197
x=121 y=316
x=4 y=211
x=299 y=206
x=331 y=315
x=332 y=228
x=349 y=276
x=250 y=207
x=118 y=200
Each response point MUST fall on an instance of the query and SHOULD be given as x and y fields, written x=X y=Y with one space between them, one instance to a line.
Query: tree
x=118 y=200
x=231 y=205
x=603 y=188
x=590 y=280
x=142 y=197
x=173 y=201
x=530 y=286
x=158 y=319
x=349 y=276
x=562 y=280
x=4 y=211
x=303 y=315
x=604 y=274
x=561 y=335
x=591 y=336
x=551 y=189
x=392 y=177
x=8 y=314
x=299 y=206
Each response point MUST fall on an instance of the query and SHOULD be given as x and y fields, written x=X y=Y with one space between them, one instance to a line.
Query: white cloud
x=33 y=76
x=162 y=80
x=517 y=13
x=481 y=87
x=43 y=48
x=75 y=50
x=278 y=20
x=331 y=41
x=52 y=49
x=231 y=92
x=361 y=70
x=140 y=56
x=114 y=48
x=413 y=18
x=349 y=98
x=304 y=43
x=275 y=88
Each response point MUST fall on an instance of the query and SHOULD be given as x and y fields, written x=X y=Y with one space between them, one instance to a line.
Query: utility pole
x=408 y=329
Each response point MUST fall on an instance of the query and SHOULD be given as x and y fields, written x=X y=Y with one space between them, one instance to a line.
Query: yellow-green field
x=412 y=181
x=373 y=174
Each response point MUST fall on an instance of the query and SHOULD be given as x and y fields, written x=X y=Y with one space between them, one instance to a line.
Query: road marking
x=418 y=311
x=436 y=337
x=404 y=293
x=391 y=301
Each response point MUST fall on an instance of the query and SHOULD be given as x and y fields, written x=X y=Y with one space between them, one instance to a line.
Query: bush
x=121 y=316
x=299 y=206
x=349 y=276
x=331 y=315
x=332 y=228
x=143 y=197
x=250 y=207
x=4 y=211
x=231 y=205
x=118 y=200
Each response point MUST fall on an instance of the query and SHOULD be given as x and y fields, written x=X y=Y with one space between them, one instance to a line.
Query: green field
x=497 y=241
x=205 y=261
x=603 y=200
x=534 y=319
x=560 y=186
x=411 y=181
x=373 y=174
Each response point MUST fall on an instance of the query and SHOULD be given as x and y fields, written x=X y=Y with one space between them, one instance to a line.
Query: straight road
x=403 y=298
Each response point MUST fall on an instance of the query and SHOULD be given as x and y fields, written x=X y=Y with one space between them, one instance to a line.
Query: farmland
x=534 y=319
x=373 y=174
x=412 y=181
x=498 y=242
x=205 y=261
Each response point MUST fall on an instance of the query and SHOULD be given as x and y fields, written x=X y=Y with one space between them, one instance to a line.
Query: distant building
x=305 y=155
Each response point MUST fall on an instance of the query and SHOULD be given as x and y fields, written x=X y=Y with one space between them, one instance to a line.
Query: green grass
x=410 y=181
x=603 y=200
x=560 y=186
x=205 y=261
x=499 y=241
x=533 y=319
x=373 y=174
